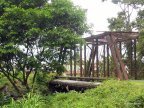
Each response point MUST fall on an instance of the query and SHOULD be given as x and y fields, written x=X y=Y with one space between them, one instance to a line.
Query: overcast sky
x=98 y=12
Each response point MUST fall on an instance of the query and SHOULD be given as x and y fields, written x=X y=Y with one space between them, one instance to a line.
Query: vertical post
x=93 y=58
x=89 y=63
x=71 y=62
x=85 y=65
x=117 y=59
x=81 y=60
x=120 y=47
x=97 y=58
x=135 y=61
x=111 y=42
x=122 y=66
x=75 y=61
x=131 y=58
x=108 y=73
x=104 y=64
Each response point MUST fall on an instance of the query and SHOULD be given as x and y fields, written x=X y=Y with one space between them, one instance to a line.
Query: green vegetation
x=30 y=101
x=126 y=20
x=35 y=36
x=7 y=92
x=111 y=94
x=35 y=40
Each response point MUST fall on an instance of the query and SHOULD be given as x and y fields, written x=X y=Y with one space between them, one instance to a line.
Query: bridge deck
x=66 y=85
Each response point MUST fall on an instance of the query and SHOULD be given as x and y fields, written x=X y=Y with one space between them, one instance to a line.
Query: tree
x=35 y=36
x=124 y=22
x=118 y=24
x=140 y=44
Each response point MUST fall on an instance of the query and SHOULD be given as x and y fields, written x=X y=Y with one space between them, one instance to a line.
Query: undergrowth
x=29 y=101
x=111 y=94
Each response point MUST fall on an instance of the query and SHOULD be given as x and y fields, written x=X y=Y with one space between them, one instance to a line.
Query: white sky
x=98 y=12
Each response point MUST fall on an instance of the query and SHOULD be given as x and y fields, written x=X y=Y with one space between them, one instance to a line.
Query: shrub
x=41 y=83
x=4 y=99
x=29 y=101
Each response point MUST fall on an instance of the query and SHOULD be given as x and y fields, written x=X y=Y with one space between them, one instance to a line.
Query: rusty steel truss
x=112 y=43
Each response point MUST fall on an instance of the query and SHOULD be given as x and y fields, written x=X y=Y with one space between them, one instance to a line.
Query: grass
x=29 y=101
x=3 y=80
x=137 y=82
x=111 y=94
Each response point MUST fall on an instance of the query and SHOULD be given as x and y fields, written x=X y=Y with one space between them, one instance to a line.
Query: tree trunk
x=13 y=84
x=34 y=77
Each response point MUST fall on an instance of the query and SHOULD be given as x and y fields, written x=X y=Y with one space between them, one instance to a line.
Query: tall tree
x=124 y=22
x=140 y=43
x=35 y=36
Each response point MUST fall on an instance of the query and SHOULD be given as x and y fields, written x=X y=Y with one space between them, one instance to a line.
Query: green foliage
x=111 y=94
x=30 y=101
x=26 y=3
x=134 y=3
x=41 y=83
x=35 y=34
x=139 y=21
x=124 y=20
x=140 y=50
x=1 y=75
x=4 y=93
x=140 y=44
x=118 y=24
x=138 y=102
x=4 y=99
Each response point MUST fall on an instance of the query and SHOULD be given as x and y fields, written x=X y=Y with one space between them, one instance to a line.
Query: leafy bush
x=4 y=99
x=1 y=75
x=137 y=102
x=41 y=83
x=30 y=101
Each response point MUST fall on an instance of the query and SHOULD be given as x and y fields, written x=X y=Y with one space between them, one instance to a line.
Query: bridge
x=106 y=58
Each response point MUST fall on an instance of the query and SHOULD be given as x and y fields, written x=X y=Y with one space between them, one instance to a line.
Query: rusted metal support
x=85 y=61
x=112 y=47
x=93 y=58
x=120 y=48
x=90 y=67
x=116 y=41
x=131 y=58
x=108 y=69
x=122 y=66
x=104 y=62
x=135 y=61
x=88 y=72
x=75 y=61
x=71 y=62
x=81 y=69
x=97 y=58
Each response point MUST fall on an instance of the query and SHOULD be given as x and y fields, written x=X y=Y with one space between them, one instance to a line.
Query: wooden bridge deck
x=66 y=85
x=82 y=78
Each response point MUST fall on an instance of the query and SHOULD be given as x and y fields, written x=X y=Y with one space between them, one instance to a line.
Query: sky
x=98 y=12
